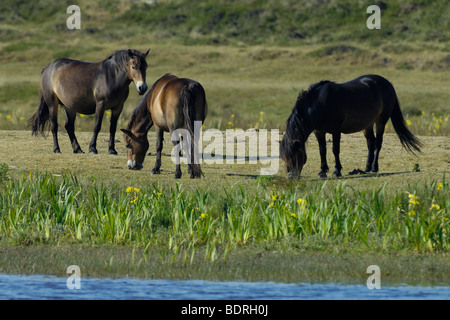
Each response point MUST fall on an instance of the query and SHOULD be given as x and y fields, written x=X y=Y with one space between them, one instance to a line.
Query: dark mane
x=305 y=96
x=140 y=112
x=294 y=127
x=122 y=56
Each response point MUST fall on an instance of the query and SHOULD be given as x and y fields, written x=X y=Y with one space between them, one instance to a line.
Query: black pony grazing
x=329 y=107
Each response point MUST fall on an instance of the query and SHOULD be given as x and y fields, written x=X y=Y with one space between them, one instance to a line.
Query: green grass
x=42 y=208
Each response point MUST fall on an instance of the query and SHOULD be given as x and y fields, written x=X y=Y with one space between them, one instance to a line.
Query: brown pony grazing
x=170 y=104
x=88 y=88
x=357 y=105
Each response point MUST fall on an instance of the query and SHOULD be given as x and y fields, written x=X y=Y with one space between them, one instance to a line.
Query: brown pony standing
x=170 y=104
x=88 y=88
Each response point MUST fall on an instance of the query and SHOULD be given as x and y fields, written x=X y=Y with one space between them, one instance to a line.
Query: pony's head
x=299 y=126
x=292 y=152
x=135 y=65
x=292 y=148
x=137 y=146
x=135 y=135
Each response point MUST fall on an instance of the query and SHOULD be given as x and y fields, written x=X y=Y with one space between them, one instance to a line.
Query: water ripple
x=41 y=287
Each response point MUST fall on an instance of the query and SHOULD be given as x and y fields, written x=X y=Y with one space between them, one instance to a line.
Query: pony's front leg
x=159 y=147
x=323 y=154
x=336 y=151
x=112 y=129
x=99 y=112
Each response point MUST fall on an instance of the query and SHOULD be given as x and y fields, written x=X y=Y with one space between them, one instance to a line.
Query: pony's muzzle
x=141 y=87
x=133 y=165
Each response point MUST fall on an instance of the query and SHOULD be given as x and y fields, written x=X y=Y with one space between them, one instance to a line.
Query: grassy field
x=160 y=227
x=253 y=58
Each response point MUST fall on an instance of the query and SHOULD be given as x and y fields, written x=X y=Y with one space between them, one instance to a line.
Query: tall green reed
x=41 y=207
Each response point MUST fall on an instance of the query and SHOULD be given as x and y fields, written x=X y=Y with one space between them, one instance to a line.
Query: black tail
x=188 y=103
x=408 y=140
x=39 y=120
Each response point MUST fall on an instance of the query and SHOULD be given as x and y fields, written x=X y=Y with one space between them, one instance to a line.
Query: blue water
x=40 y=287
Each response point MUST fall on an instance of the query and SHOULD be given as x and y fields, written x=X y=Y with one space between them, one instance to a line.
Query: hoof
x=78 y=151
x=155 y=171
x=93 y=151
x=322 y=175
x=337 y=174
x=293 y=175
x=56 y=151
x=113 y=152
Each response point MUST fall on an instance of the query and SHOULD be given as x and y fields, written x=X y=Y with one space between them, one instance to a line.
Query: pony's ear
x=145 y=54
x=130 y=53
x=130 y=134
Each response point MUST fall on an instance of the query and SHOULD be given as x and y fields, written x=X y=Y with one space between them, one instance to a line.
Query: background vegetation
x=251 y=56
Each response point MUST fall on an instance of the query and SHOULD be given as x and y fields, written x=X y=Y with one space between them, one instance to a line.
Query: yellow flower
x=301 y=201
x=131 y=189
x=274 y=198
x=293 y=215
x=22 y=118
x=9 y=117
x=411 y=213
x=271 y=205
x=232 y=116
x=422 y=112
x=204 y=216
x=439 y=186
x=134 y=200
x=413 y=198
x=230 y=123
x=408 y=123
x=261 y=113
x=82 y=115
x=435 y=206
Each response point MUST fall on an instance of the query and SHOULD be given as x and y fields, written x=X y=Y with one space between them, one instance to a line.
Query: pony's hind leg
x=54 y=128
x=336 y=151
x=159 y=147
x=70 y=128
x=378 y=143
x=176 y=145
x=370 y=137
